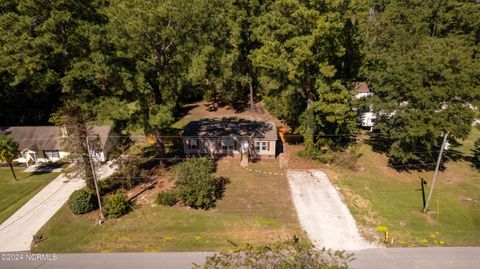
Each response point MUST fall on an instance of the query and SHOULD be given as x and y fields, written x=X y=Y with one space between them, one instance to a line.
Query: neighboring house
x=361 y=90
x=367 y=116
x=225 y=137
x=40 y=144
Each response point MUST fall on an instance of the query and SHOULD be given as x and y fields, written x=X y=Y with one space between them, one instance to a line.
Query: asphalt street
x=385 y=258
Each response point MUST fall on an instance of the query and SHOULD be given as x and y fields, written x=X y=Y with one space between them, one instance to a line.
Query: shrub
x=168 y=198
x=301 y=153
x=81 y=202
x=195 y=185
x=281 y=255
x=193 y=168
x=199 y=193
x=116 y=205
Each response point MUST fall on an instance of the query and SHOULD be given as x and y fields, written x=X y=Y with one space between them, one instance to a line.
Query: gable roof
x=48 y=137
x=360 y=87
x=231 y=127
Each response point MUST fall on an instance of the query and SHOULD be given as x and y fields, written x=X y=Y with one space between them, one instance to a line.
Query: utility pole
x=94 y=174
x=425 y=209
x=423 y=182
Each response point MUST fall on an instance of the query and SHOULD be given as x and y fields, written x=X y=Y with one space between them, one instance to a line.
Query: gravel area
x=322 y=213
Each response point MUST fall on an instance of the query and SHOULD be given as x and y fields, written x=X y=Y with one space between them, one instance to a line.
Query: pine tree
x=424 y=72
x=302 y=61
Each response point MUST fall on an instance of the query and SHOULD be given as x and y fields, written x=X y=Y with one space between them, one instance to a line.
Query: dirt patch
x=146 y=192
x=203 y=110
x=296 y=162
x=469 y=201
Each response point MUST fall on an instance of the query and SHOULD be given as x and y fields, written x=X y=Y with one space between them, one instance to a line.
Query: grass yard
x=255 y=209
x=378 y=195
x=467 y=145
x=14 y=194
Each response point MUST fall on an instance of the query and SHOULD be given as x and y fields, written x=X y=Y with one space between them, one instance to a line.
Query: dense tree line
x=135 y=62
x=423 y=60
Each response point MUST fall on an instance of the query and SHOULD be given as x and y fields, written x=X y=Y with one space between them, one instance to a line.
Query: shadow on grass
x=222 y=183
x=426 y=159
x=35 y=173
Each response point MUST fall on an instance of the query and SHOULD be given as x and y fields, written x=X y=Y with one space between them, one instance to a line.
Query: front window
x=264 y=146
x=228 y=145
x=193 y=144
x=257 y=145
x=52 y=154
x=261 y=146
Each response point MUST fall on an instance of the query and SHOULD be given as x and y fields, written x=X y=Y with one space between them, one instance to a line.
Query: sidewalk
x=17 y=232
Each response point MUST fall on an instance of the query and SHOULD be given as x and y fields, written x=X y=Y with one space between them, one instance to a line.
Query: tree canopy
x=141 y=60
x=422 y=60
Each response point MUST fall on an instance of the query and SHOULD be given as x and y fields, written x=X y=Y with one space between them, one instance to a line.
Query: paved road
x=16 y=233
x=421 y=258
x=322 y=213
x=397 y=258
x=172 y=260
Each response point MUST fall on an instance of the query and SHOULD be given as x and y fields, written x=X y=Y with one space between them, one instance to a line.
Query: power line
x=194 y=136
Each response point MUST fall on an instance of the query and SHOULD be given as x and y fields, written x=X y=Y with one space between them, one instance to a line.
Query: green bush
x=168 y=198
x=81 y=202
x=195 y=185
x=301 y=153
x=116 y=205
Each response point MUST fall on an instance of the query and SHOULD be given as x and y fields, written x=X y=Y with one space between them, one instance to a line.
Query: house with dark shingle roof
x=227 y=136
x=40 y=144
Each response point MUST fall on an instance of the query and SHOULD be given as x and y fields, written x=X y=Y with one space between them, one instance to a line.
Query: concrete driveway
x=322 y=213
x=17 y=232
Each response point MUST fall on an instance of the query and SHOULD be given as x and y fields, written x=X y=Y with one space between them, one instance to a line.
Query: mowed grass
x=468 y=144
x=14 y=194
x=378 y=195
x=255 y=209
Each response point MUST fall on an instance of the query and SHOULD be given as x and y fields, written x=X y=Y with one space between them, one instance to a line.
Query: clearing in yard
x=256 y=208
x=378 y=195
x=14 y=194
x=322 y=213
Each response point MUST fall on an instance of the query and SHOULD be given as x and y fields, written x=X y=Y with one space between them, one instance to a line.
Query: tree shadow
x=426 y=159
x=184 y=110
x=229 y=127
x=222 y=183
x=239 y=106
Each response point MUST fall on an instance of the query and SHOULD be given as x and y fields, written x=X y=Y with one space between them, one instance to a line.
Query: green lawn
x=378 y=195
x=255 y=209
x=14 y=194
x=468 y=144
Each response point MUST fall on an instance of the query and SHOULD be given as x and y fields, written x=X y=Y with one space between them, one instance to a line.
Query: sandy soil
x=321 y=212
